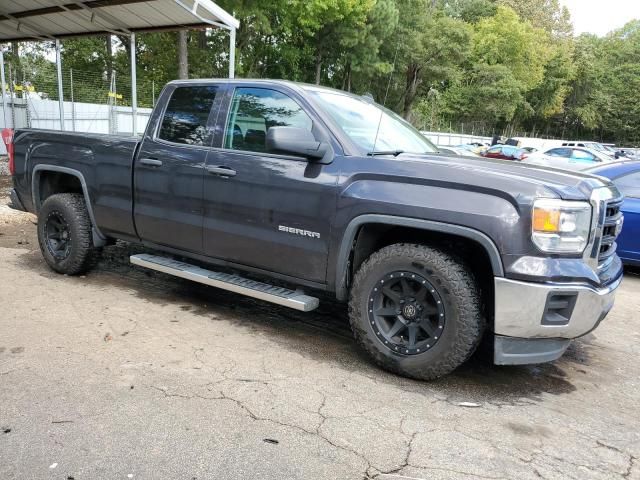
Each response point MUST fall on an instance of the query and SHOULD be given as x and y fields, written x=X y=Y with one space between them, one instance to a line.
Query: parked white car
x=569 y=158
x=463 y=152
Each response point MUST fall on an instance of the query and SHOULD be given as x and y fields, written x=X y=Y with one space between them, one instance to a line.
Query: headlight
x=561 y=226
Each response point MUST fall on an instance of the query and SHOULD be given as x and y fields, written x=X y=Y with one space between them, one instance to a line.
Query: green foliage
x=490 y=93
x=470 y=11
x=497 y=65
x=545 y=14
x=506 y=40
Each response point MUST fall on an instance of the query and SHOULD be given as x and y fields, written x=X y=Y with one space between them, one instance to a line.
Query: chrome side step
x=226 y=281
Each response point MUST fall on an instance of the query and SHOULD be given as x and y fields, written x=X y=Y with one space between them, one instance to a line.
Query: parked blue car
x=626 y=176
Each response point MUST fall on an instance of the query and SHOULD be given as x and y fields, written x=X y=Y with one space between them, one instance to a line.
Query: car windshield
x=600 y=156
x=596 y=146
x=362 y=120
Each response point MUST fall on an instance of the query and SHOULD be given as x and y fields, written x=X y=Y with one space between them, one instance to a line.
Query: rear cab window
x=185 y=118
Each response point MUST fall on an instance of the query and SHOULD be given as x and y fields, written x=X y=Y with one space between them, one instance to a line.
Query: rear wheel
x=65 y=234
x=416 y=310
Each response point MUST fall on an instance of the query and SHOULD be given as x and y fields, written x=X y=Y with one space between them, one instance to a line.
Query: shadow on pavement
x=325 y=335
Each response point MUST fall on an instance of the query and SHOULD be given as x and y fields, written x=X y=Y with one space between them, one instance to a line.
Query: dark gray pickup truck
x=274 y=189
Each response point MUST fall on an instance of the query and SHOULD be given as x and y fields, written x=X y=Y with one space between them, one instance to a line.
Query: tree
x=470 y=11
x=489 y=95
x=620 y=91
x=584 y=105
x=545 y=14
x=500 y=64
x=505 y=40
x=361 y=47
x=430 y=48
x=325 y=23
x=183 y=54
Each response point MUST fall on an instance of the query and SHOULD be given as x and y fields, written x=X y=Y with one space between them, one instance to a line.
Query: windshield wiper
x=395 y=153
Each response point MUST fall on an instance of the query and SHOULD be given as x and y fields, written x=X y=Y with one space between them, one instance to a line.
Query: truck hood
x=483 y=172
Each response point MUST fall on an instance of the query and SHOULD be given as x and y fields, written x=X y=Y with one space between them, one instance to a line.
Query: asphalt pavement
x=126 y=373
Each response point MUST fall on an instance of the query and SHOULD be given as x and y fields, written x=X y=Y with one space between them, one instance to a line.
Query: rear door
x=264 y=210
x=169 y=167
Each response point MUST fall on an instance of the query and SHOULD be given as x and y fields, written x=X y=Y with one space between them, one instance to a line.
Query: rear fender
x=98 y=238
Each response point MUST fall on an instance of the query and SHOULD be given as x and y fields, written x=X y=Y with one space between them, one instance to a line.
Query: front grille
x=613 y=217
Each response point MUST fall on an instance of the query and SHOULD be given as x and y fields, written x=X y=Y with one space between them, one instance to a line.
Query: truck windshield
x=362 y=120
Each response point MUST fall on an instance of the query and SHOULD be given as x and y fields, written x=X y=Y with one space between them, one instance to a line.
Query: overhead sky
x=600 y=17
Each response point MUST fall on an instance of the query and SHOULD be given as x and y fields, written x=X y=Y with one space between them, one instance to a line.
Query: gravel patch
x=4 y=165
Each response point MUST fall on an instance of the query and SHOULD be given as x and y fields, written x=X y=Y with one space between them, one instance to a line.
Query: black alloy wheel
x=416 y=310
x=406 y=312
x=57 y=235
x=65 y=234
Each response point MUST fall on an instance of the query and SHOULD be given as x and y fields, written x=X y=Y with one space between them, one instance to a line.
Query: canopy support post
x=134 y=84
x=4 y=90
x=232 y=52
x=60 y=92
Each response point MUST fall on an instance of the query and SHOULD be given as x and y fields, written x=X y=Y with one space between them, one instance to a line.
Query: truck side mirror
x=297 y=141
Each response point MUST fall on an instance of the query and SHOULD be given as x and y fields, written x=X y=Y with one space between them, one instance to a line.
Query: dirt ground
x=127 y=373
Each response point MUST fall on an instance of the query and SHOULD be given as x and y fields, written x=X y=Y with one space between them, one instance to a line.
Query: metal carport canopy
x=22 y=20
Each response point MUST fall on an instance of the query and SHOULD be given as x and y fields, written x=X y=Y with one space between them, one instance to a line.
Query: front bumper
x=522 y=308
x=535 y=321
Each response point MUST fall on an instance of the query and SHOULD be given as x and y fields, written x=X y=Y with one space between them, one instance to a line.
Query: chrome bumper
x=521 y=308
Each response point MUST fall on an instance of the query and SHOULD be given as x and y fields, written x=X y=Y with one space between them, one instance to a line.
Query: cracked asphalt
x=126 y=373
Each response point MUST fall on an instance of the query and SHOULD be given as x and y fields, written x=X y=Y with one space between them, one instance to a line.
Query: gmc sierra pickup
x=267 y=188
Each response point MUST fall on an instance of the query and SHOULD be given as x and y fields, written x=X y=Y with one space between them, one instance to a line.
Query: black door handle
x=151 y=162
x=221 y=170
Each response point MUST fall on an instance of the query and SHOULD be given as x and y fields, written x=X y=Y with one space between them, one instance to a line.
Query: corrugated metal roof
x=48 y=19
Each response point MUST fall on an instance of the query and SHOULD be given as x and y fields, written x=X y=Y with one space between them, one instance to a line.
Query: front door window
x=255 y=110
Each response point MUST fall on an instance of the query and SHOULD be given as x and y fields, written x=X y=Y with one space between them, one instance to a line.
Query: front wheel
x=65 y=234
x=416 y=310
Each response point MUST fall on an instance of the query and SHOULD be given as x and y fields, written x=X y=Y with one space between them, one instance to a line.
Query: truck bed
x=108 y=158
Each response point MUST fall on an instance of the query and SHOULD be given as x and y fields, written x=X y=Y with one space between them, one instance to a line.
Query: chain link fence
x=93 y=103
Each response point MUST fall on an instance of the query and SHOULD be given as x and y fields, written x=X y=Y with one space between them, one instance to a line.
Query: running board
x=234 y=283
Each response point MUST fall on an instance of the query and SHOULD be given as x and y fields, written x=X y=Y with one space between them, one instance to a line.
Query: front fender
x=426 y=225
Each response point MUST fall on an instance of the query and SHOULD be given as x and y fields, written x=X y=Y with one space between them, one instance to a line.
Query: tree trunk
x=318 y=67
x=411 y=90
x=109 y=59
x=15 y=51
x=346 y=78
x=183 y=55
x=202 y=39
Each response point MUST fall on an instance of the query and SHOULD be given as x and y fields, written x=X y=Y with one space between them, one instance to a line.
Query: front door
x=169 y=169
x=264 y=210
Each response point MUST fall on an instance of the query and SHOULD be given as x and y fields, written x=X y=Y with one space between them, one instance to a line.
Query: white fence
x=451 y=139
x=78 y=117
x=103 y=118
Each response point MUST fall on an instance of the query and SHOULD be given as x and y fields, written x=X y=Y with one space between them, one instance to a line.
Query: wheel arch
x=368 y=233
x=71 y=178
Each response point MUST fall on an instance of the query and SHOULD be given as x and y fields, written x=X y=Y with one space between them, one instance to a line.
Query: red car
x=506 y=152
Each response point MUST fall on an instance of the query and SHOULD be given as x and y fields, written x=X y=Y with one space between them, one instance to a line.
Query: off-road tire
x=83 y=254
x=456 y=286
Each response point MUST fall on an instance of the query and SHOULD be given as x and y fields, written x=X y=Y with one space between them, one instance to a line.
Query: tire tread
x=85 y=255
x=464 y=288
